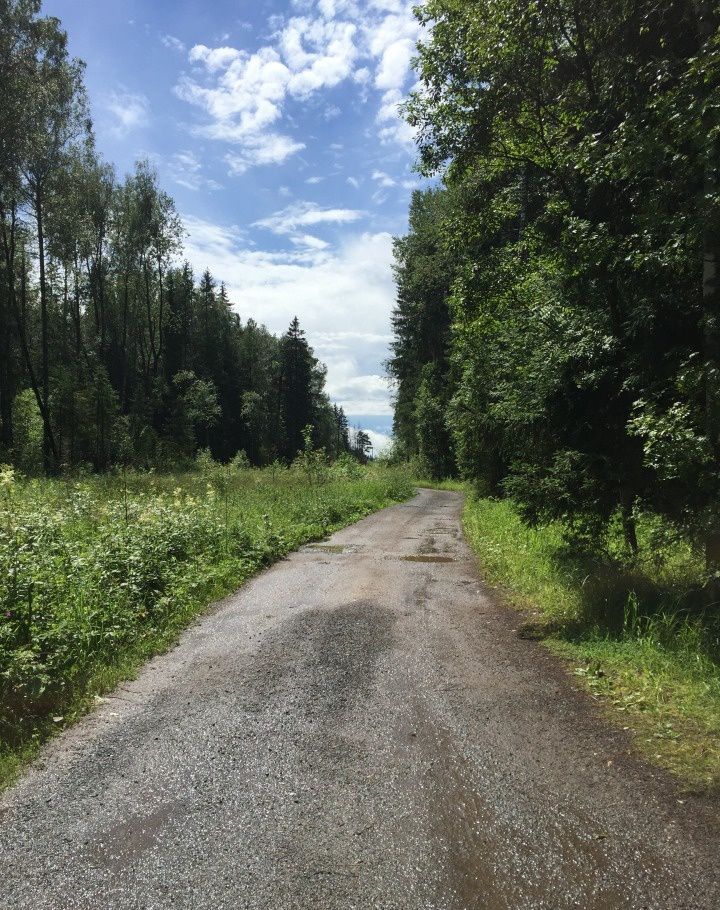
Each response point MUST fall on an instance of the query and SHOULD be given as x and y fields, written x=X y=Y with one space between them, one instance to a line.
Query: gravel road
x=358 y=727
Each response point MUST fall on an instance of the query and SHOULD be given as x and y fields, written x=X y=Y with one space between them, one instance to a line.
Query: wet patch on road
x=325 y=658
x=327 y=548
x=427 y=557
x=122 y=844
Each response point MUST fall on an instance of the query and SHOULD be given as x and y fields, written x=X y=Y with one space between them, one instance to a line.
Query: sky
x=274 y=126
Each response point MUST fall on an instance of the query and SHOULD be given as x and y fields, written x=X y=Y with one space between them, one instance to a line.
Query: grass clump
x=634 y=631
x=98 y=574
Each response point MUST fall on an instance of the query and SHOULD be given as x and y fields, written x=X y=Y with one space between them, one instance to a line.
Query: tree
x=424 y=270
x=57 y=115
x=578 y=150
x=361 y=445
x=295 y=389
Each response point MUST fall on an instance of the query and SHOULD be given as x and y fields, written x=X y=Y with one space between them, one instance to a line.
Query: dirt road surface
x=358 y=727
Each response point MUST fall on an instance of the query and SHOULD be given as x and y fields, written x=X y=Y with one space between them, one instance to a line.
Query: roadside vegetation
x=634 y=633
x=100 y=573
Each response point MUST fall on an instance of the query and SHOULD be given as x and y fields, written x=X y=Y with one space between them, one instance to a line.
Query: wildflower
x=7 y=477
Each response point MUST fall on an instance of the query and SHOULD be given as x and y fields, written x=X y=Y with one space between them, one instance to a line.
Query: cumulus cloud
x=345 y=296
x=395 y=64
x=383 y=179
x=360 y=394
x=243 y=95
x=381 y=442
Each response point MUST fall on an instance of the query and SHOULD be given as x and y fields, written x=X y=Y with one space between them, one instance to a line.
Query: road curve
x=358 y=727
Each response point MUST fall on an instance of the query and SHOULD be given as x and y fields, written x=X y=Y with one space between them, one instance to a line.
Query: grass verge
x=634 y=636
x=98 y=575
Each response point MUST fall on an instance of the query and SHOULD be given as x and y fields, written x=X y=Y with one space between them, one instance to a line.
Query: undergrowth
x=98 y=574
x=633 y=629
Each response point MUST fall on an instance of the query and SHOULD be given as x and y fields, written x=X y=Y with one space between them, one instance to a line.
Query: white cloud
x=185 y=169
x=381 y=442
x=244 y=95
x=344 y=297
x=383 y=179
x=353 y=181
x=393 y=128
x=314 y=180
x=214 y=59
x=360 y=394
x=206 y=235
x=305 y=214
x=131 y=111
x=395 y=64
x=271 y=148
x=319 y=54
x=173 y=43
x=309 y=241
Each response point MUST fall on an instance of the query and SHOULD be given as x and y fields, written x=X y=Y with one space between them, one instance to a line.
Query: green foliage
x=554 y=285
x=312 y=463
x=421 y=319
x=28 y=434
x=433 y=438
x=96 y=570
x=637 y=637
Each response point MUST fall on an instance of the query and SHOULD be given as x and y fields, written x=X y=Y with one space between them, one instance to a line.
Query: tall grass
x=634 y=630
x=97 y=574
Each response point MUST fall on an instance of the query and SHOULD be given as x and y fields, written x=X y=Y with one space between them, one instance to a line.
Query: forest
x=557 y=329
x=112 y=352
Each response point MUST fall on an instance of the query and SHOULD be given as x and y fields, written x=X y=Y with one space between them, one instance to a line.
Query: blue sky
x=274 y=126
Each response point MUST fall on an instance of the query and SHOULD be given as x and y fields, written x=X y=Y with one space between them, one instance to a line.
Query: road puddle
x=427 y=557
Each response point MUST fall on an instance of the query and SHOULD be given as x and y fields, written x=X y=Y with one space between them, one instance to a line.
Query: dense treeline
x=110 y=352
x=557 y=332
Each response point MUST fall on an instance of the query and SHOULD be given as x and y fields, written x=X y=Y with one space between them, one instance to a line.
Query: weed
x=97 y=575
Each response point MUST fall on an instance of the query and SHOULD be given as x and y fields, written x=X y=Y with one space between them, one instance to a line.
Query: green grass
x=99 y=574
x=634 y=635
x=456 y=485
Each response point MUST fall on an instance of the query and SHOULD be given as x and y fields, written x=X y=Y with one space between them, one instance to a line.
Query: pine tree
x=295 y=389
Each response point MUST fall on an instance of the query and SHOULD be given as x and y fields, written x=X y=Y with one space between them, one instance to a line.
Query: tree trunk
x=707 y=26
x=49 y=451
x=7 y=391
x=629 y=527
x=19 y=312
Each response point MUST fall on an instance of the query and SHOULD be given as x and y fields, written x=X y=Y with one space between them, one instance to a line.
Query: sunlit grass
x=635 y=636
